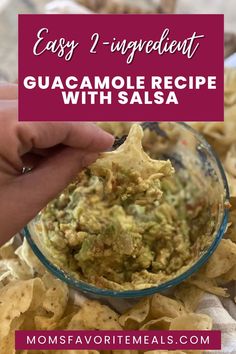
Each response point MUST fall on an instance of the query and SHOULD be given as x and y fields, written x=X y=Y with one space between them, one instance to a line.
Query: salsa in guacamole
x=127 y=222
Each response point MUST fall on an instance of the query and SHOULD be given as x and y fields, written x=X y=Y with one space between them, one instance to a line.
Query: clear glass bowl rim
x=99 y=292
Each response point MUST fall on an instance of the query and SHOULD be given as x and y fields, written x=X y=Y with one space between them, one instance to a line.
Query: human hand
x=56 y=152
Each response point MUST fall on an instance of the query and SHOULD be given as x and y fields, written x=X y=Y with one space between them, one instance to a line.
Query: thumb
x=24 y=197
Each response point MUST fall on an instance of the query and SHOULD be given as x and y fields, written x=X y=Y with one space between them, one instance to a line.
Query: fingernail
x=107 y=138
x=110 y=138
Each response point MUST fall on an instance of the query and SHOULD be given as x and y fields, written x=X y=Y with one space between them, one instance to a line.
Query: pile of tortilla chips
x=31 y=298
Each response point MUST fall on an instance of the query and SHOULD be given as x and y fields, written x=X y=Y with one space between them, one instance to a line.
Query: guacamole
x=127 y=222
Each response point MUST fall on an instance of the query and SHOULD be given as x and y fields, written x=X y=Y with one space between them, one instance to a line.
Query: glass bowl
x=193 y=158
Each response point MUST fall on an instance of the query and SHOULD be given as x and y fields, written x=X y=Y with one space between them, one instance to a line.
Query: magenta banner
x=120 y=340
x=121 y=67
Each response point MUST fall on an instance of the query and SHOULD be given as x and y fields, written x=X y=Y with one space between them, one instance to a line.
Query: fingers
x=58 y=150
x=8 y=91
x=86 y=136
x=52 y=171
x=19 y=138
x=29 y=193
x=31 y=160
x=45 y=135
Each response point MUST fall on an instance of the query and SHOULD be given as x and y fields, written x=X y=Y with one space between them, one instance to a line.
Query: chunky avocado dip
x=127 y=222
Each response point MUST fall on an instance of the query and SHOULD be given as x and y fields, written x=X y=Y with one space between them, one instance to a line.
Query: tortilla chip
x=133 y=318
x=95 y=316
x=222 y=260
x=7 y=251
x=117 y=129
x=54 y=303
x=208 y=285
x=37 y=352
x=5 y=273
x=220 y=135
x=17 y=298
x=162 y=323
x=7 y=344
x=34 y=352
x=191 y=321
x=230 y=160
x=164 y=352
x=232 y=184
x=73 y=352
x=231 y=231
x=189 y=295
x=227 y=277
x=124 y=351
x=130 y=155
x=162 y=306
x=160 y=141
x=230 y=86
